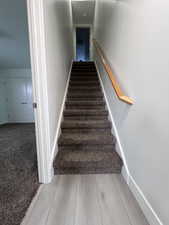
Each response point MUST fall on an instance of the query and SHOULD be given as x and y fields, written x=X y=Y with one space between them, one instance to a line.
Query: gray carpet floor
x=18 y=171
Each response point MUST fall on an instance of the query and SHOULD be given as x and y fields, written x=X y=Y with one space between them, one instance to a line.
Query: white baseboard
x=146 y=207
x=58 y=131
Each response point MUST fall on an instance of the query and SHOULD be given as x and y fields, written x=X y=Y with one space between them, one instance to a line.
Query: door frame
x=90 y=39
x=35 y=12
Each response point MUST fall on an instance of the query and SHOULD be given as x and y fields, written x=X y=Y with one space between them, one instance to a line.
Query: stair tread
x=78 y=139
x=84 y=94
x=85 y=112
x=85 y=102
x=86 y=124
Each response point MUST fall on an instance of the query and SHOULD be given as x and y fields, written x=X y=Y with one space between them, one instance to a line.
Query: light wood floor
x=85 y=200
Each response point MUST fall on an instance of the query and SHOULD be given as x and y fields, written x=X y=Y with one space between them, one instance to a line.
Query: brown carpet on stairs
x=18 y=171
x=86 y=144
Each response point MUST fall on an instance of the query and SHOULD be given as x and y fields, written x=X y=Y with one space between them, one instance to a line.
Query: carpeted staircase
x=86 y=144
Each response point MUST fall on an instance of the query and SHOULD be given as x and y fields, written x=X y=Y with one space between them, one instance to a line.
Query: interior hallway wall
x=59 y=52
x=134 y=36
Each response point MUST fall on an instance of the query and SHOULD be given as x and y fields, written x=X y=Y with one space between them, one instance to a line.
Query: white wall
x=16 y=96
x=59 y=55
x=135 y=37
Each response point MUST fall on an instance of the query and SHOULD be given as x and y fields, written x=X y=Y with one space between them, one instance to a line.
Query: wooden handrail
x=113 y=80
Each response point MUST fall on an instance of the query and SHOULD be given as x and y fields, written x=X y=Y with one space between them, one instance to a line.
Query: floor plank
x=85 y=200
x=64 y=202
x=87 y=211
x=134 y=211
x=38 y=211
x=112 y=209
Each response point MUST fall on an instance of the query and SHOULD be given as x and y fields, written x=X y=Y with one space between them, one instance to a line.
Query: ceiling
x=83 y=11
x=14 y=41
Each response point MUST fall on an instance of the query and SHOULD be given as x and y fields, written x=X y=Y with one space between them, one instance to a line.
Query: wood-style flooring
x=85 y=200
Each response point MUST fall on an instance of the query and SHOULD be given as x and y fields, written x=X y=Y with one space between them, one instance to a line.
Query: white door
x=3 y=103
x=19 y=94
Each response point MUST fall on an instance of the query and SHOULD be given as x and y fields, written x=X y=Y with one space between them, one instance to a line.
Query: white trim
x=146 y=207
x=125 y=170
x=58 y=130
x=39 y=79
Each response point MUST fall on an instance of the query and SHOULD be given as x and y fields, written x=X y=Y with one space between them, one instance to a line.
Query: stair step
x=77 y=112
x=86 y=139
x=82 y=67
x=82 y=83
x=85 y=117
x=85 y=107
x=84 y=88
x=84 y=70
x=71 y=85
x=96 y=94
x=98 y=148
x=72 y=162
x=83 y=73
x=85 y=79
x=85 y=99
x=88 y=131
x=86 y=124
x=85 y=103
x=90 y=67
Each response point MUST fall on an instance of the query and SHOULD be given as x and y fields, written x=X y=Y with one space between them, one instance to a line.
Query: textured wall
x=134 y=35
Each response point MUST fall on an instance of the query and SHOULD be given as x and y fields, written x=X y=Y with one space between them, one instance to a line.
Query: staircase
x=86 y=144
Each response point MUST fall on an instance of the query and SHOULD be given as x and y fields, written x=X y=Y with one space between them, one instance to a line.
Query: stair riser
x=85 y=107
x=85 y=103
x=104 y=148
x=87 y=95
x=84 y=171
x=84 y=89
x=84 y=118
x=85 y=75
x=86 y=131
x=84 y=99
x=85 y=126
x=84 y=68
x=85 y=113
x=85 y=79
x=84 y=83
x=84 y=86
x=87 y=142
x=90 y=70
